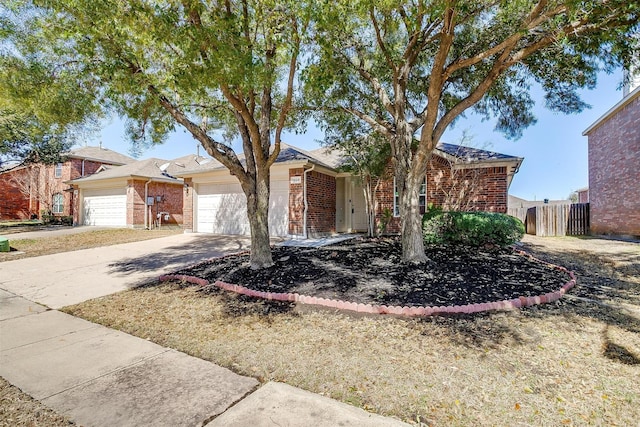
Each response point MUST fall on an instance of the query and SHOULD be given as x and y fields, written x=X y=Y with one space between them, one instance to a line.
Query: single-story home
x=311 y=195
x=141 y=194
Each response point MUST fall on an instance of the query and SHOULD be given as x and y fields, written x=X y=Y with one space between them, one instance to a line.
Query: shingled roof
x=99 y=154
x=473 y=155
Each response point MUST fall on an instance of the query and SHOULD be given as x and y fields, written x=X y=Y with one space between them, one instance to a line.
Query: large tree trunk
x=258 y=211
x=411 y=232
x=408 y=181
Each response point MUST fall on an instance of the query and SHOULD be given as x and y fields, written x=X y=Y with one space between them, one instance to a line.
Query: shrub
x=471 y=228
x=52 y=219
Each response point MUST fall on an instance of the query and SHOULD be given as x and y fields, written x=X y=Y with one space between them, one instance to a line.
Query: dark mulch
x=370 y=271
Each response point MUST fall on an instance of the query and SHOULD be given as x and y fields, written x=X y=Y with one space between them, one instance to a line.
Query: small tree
x=368 y=158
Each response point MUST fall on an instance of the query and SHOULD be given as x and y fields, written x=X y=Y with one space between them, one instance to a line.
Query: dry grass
x=19 y=409
x=576 y=362
x=85 y=240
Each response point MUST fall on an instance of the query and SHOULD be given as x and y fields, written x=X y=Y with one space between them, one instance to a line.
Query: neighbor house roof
x=153 y=168
x=99 y=154
x=10 y=165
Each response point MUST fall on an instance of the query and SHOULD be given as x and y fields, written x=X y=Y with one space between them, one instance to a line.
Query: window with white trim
x=58 y=170
x=422 y=201
x=58 y=203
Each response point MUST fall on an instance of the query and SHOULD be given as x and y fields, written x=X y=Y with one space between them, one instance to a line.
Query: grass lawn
x=574 y=362
x=31 y=247
x=19 y=409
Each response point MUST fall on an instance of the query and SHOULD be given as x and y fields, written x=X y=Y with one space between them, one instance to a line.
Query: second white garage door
x=105 y=207
x=222 y=209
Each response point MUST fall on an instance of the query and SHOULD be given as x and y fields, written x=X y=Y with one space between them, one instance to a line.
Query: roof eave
x=620 y=105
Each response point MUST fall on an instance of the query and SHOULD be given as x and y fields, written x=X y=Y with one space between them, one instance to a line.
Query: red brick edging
x=383 y=309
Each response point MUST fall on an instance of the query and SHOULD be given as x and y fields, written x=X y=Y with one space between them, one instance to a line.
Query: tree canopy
x=44 y=107
x=410 y=69
x=204 y=66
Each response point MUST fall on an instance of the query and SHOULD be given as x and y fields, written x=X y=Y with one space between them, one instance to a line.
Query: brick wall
x=13 y=203
x=172 y=202
x=614 y=173
x=321 y=200
x=187 y=205
x=482 y=189
x=296 y=202
x=479 y=189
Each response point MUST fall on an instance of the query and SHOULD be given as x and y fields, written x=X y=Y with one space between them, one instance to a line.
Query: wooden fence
x=554 y=220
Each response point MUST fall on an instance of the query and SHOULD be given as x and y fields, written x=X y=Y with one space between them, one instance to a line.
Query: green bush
x=471 y=228
x=52 y=219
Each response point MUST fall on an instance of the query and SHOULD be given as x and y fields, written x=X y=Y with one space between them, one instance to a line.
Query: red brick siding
x=13 y=203
x=480 y=189
x=483 y=189
x=187 y=205
x=321 y=200
x=614 y=173
x=172 y=202
x=296 y=202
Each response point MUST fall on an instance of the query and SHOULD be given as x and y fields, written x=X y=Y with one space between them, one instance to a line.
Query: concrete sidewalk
x=102 y=377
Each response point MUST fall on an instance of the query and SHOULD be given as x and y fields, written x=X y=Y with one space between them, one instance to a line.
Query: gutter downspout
x=306 y=204
x=146 y=208
x=83 y=167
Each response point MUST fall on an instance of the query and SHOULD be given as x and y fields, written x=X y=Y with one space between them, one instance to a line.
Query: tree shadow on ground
x=197 y=249
x=607 y=291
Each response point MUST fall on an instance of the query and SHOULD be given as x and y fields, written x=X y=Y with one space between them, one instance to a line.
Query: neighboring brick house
x=311 y=196
x=614 y=168
x=142 y=194
x=583 y=195
x=29 y=190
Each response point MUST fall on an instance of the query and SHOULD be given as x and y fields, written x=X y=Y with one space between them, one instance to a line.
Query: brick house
x=614 y=168
x=28 y=190
x=310 y=195
x=583 y=195
x=141 y=194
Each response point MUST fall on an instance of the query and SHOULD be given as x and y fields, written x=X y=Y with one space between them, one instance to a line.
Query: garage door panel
x=279 y=208
x=107 y=207
x=222 y=209
x=222 y=214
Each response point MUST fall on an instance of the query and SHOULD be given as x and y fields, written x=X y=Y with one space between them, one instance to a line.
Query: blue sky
x=554 y=150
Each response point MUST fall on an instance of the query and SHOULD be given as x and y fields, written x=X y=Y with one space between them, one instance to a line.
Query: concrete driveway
x=69 y=278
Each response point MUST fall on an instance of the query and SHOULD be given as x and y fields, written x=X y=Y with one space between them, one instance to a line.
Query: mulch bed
x=370 y=271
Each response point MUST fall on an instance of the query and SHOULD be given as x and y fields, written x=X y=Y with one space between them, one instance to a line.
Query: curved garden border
x=393 y=309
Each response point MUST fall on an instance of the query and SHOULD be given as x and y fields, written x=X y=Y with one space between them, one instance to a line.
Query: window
x=58 y=170
x=58 y=203
x=422 y=201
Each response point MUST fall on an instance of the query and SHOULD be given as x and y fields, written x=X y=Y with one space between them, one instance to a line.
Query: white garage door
x=222 y=209
x=106 y=207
